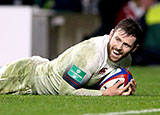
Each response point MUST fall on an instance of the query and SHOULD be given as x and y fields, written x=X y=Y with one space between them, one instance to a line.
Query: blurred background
x=48 y=27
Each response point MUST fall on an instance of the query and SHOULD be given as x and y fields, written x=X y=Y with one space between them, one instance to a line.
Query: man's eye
x=127 y=46
x=118 y=39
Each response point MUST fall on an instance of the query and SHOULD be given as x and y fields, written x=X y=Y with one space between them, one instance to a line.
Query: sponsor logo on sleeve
x=76 y=73
x=74 y=76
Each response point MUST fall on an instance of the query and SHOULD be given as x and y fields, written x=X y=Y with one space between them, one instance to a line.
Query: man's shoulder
x=125 y=62
x=104 y=37
x=100 y=41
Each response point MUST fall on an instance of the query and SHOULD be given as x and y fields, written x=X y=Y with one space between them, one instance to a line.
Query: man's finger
x=119 y=83
x=128 y=92
x=133 y=86
x=134 y=82
x=126 y=87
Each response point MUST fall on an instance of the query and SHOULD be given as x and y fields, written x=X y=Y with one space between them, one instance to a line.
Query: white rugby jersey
x=80 y=67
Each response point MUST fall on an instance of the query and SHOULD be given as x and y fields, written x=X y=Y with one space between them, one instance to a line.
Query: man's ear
x=111 y=33
x=134 y=49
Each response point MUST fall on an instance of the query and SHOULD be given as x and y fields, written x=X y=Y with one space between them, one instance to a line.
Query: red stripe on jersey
x=71 y=80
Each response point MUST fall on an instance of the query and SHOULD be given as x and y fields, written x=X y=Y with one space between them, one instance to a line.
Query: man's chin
x=114 y=59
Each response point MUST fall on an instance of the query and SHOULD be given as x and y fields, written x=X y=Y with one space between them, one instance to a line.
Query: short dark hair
x=131 y=27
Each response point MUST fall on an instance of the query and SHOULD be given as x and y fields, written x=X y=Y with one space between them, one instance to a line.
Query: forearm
x=66 y=89
x=87 y=92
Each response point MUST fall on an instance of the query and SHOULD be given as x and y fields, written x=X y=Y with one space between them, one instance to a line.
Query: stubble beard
x=109 y=49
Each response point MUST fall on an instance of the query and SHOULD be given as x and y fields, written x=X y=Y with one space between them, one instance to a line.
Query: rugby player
x=79 y=69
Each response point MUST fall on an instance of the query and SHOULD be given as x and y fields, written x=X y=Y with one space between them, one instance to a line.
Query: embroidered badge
x=76 y=73
x=103 y=70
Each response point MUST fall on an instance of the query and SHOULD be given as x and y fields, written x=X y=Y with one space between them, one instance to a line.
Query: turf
x=147 y=97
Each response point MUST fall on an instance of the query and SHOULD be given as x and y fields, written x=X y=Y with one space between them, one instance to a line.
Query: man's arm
x=66 y=89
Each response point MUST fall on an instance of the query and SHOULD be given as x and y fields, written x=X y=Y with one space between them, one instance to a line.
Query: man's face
x=120 y=45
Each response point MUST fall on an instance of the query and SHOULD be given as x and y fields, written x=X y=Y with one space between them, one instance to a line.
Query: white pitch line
x=128 y=112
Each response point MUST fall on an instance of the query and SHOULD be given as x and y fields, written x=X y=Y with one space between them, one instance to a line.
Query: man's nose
x=119 y=46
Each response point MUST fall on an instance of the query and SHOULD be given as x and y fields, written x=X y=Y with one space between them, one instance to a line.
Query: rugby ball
x=113 y=77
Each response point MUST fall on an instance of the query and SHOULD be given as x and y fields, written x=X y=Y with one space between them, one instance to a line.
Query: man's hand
x=129 y=89
x=133 y=86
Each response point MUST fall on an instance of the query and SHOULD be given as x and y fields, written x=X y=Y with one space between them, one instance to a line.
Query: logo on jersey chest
x=103 y=70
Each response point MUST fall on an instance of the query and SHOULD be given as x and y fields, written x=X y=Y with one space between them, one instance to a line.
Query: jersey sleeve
x=73 y=81
x=67 y=89
x=82 y=65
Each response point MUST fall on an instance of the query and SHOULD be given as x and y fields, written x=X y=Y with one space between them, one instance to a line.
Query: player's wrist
x=105 y=92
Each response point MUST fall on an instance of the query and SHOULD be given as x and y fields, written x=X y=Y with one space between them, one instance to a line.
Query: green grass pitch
x=147 y=97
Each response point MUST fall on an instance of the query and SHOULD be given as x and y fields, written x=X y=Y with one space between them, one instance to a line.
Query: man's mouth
x=117 y=52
